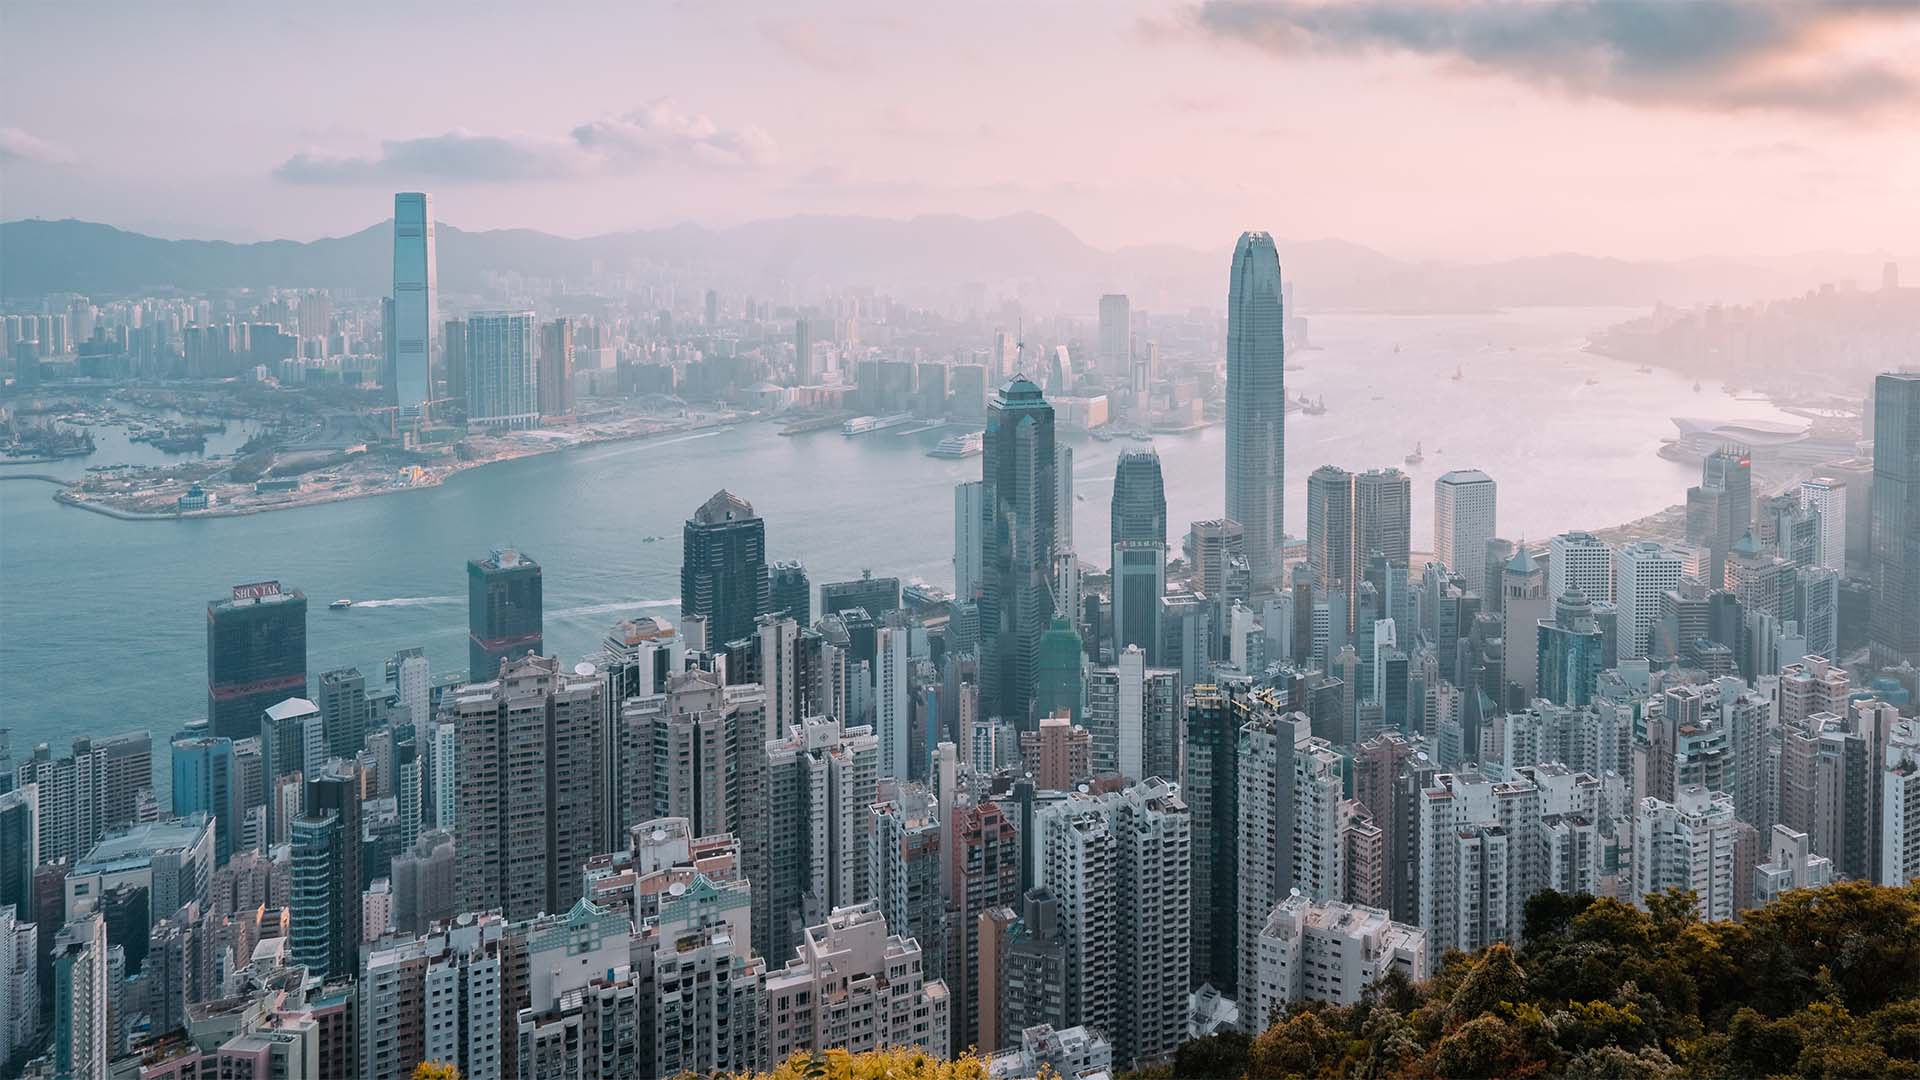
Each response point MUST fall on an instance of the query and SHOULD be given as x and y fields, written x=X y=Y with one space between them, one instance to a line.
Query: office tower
x=457 y=364
x=555 y=385
x=857 y=984
x=1720 y=509
x=19 y=848
x=905 y=866
x=256 y=654
x=1019 y=490
x=1256 y=404
x=1330 y=536
x=1570 y=651
x=1139 y=536
x=1686 y=844
x=411 y=680
x=347 y=711
x=326 y=909
x=292 y=736
x=1643 y=572
x=723 y=569
x=1826 y=496
x=1792 y=865
x=969 y=518
x=1330 y=951
x=504 y=614
x=415 y=295
x=789 y=593
x=1063 y=497
x=1895 y=540
x=1383 y=516
x=1524 y=603
x=893 y=699
x=1057 y=754
x=530 y=758
x=713 y=309
x=827 y=777
x=1464 y=519
x=803 y=350
x=984 y=860
x=1579 y=560
x=1816 y=604
x=1118 y=865
x=1216 y=552
x=1060 y=678
x=503 y=389
x=205 y=782
x=1133 y=715
x=874 y=595
x=1116 y=334
x=82 y=1039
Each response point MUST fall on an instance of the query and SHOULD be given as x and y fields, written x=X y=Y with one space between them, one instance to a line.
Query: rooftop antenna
x=1020 y=344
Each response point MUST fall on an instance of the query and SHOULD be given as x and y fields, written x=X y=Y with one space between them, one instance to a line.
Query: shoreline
x=65 y=496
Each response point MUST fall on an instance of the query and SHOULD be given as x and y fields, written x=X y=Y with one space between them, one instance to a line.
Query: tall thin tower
x=415 y=285
x=1018 y=489
x=1256 y=404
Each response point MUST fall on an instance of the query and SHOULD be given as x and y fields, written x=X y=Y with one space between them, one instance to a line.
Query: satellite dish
x=658 y=835
x=583 y=668
x=678 y=888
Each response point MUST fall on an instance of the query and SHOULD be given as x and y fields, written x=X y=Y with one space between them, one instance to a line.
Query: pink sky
x=1477 y=128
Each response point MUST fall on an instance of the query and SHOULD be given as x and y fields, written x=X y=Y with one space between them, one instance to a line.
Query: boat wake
x=609 y=609
x=410 y=601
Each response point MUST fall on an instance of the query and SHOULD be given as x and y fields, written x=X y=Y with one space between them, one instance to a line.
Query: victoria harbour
x=82 y=650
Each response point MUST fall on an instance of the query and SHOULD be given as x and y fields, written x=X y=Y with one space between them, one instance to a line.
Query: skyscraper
x=1018 y=493
x=1827 y=497
x=453 y=352
x=1583 y=561
x=256 y=654
x=205 y=782
x=502 y=385
x=1116 y=334
x=723 y=569
x=1383 y=516
x=1895 y=545
x=326 y=912
x=1643 y=572
x=504 y=616
x=969 y=516
x=1464 y=516
x=1256 y=404
x=415 y=290
x=790 y=593
x=1139 y=537
x=1330 y=537
x=556 y=367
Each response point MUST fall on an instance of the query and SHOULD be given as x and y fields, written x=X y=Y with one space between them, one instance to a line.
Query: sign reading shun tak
x=256 y=591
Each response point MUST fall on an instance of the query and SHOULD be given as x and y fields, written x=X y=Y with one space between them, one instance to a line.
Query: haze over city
x=1224 y=540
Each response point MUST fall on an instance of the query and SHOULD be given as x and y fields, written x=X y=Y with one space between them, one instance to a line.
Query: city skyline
x=1804 y=111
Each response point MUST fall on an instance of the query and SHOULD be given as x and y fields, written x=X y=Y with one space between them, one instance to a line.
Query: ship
x=860 y=425
x=960 y=446
x=1593 y=382
x=1417 y=456
x=1459 y=373
x=1316 y=408
x=1643 y=370
x=341 y=604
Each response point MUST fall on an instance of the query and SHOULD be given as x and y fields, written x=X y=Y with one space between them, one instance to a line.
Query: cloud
x=19 y=147
x=656 y=135
x=801 y=43
x=1704 y=54
x=660 y=131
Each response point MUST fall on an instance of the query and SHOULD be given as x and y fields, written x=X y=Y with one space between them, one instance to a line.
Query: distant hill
x=927 y=259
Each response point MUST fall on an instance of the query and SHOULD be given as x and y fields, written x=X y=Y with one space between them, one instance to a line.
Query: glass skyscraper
x=415 y=289
x=504 y=614
x=1016 y=600
x=1139 y=537
x=1895 y=540
x=256 y=655
x=1256 y=404
x=502 y=390
x=723 y=569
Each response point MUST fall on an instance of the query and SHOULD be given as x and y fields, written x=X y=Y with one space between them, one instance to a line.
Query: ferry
x=1317 y=408
x=860 y=425
x=960 y=446
x=1417 y=456
x=341 y=604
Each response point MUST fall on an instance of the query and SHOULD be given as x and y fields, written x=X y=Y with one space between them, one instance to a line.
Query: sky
x=1425 y=128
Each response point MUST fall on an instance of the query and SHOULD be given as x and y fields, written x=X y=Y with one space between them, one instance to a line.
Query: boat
x=1317 y=408
x=1417 y=456
x=1139 y=435
x=649 y=539
x=960 y=446
x=1459 y=373
x=1593 y=382
x=1696 y=388
x=341 y=604
x=1643 y=370
x=860 y=425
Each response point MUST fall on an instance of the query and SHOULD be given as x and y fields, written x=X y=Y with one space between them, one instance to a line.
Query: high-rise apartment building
x=1465 y=513
x=1134 y=715
x=530 y=758
x=906 y=863
x=256 y=654
x=969 y=518
x=983 y=874
x=1826 y=496
x=415 y=293
x=84 y=794
x=1257 y=404
x=1687 y=844
x=1320 y=950
x=503 y=388
x=83 y=995
x=505 y=614
x=555 y=388
x=825 y=777
x=858 y=985
x=1139 y=536
x=1019 y=490
x=723 y=569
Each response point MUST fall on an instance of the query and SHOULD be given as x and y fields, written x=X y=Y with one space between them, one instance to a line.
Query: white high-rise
x=1116 y=334
x=415 y=289
x=1330 y=951
x=502 y=384
x=855 y=986
x=893 y=699
x=1899 y=825
x=968 y=518
x=1643 y=572
x=1464 y=519
x=1827 y=496
x=1580 y=560
x=1686 y=844
x=1134 y=714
